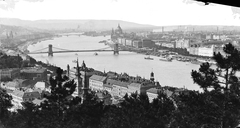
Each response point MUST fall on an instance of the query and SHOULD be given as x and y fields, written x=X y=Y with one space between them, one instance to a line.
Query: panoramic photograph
x=119 y=64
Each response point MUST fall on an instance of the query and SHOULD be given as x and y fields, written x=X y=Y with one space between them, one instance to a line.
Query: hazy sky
x=155 y=12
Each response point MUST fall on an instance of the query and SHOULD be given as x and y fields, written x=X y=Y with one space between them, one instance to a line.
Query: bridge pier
x=116 y=50
x=50 y=51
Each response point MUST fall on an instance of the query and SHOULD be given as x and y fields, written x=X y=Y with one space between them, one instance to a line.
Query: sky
x=153 y=12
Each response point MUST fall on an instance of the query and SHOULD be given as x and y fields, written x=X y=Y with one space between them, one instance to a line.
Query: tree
x=60 y=98
x=222 y=82
x=135 y=111
x=5 y=104
x=6 y=79
x=86 y=115
x=51 y=112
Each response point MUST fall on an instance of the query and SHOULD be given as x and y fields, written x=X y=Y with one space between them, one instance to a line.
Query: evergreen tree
x=221 y=85
x=5 y=104
x=136 y=112
x=60 y=98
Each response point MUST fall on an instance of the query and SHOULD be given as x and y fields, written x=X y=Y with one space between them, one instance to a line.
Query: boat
x=95 y=54
x=74 y=61
x=196 y=62
x=148 y=58
x=166 y=59
x=103 y=41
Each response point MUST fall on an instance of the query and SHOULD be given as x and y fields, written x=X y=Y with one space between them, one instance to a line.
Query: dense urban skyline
x=153 y=12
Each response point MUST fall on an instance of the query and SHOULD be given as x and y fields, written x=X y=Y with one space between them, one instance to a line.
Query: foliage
x=6 y=79
x=221 y=86
x=5 y=104
x=10 y=61
x=216 y=106
x=136 y=112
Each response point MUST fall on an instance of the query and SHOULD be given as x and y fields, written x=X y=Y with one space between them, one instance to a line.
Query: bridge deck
x=79 y=51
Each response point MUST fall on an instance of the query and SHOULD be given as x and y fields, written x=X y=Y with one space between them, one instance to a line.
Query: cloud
x=10 y=4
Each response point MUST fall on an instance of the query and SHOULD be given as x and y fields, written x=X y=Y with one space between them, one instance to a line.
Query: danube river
x=175 y=73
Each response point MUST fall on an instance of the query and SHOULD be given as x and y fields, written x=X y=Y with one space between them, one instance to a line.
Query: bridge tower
x=116 y=50
x=50 y=51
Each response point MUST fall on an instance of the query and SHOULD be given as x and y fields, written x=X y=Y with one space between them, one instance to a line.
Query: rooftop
x=33 y=70
x=9 y=69
x=123 y=84
x=153 y=90
x=31 y=94
x=135 y=85
x=18 y=93
x=98 y=78
x=107 y=85
x=38 y=102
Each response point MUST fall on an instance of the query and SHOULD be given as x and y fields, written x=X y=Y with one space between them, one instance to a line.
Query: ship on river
x=167 y=59
x=148 y=58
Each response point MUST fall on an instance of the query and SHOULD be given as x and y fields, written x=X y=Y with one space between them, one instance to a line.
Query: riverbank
x=166 y=53
x=24 y=46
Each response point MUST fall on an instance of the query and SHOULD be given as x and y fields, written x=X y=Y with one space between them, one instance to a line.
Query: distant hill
x=106 y=25
x=198 y=28
x=18 y=30
x=84 y=25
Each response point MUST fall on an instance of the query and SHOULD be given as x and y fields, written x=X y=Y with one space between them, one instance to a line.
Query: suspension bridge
x=49 y=50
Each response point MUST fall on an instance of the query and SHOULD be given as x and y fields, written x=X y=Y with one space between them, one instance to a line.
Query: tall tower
x=84 y=80
x=152 y=76
x=50 y=51
x=68 y=71
x=79 y=79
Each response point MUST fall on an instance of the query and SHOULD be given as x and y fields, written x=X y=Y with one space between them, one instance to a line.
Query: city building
x=11 y=85
x=30 y=96
x=168 y=44
x=11 y=73
x=152 y=93
x=137 y=43
x=140 y=87
x=148 y=43
x=119 y=88
x=129 y=42
x=206 y=51
x=32 y=73
x=193 y=49
x=17 y=100
x=209 y=36
x=116 y=33
x=123 y=41
x=40 y=85
x=108 y=86
x=96 y=82
x=182 y=43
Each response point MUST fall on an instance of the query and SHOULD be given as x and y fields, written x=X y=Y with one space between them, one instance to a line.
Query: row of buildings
x=201 y=44
x=39 y=73
x=25 y=84
x=117 y=85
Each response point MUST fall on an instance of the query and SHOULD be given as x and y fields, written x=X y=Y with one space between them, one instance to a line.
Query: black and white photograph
x=119 y=64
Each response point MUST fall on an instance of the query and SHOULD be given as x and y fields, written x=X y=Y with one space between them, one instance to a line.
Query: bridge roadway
x=78 y=51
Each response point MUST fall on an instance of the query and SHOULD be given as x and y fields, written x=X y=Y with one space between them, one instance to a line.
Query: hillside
x=106 y=25
x=198 y=28
x=15 y=35
x=84 y=25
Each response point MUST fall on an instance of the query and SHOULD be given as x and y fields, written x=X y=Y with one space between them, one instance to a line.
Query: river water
x=175 y=73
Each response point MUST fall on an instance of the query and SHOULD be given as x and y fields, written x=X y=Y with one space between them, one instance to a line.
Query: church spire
x=152 y=76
